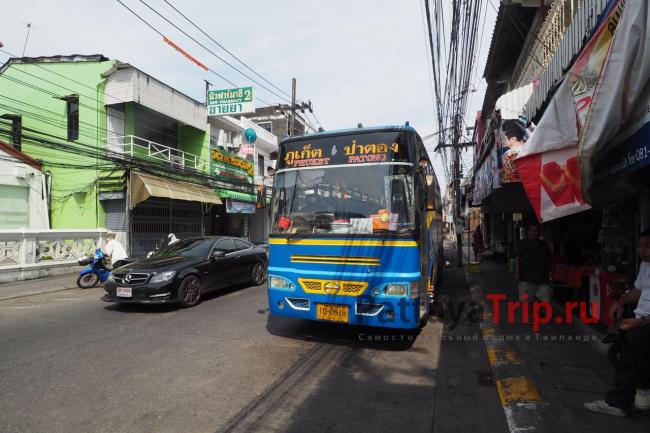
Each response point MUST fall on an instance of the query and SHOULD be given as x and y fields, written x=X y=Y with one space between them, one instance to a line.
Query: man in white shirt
x=115 y=251
x=632 y=382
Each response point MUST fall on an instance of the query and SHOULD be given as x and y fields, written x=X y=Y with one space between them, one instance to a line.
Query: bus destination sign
x=310 y=154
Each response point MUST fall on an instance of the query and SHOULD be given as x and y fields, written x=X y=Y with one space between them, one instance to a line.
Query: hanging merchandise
x=617 y=129
x=548 y=164
x=261 y=197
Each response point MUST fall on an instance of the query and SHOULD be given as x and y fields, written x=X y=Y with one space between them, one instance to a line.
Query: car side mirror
x=217 y=254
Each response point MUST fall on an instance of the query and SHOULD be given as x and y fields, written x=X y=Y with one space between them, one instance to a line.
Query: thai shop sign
x=230 y=101
x=228 y=165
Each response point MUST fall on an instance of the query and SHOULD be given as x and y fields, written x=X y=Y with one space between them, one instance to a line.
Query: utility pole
x=293 y=107
x=456 y=174
x=207 y=90
x=302 y=106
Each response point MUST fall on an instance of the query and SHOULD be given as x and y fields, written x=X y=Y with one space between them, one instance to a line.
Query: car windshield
x=188 y=248
x=345 y=199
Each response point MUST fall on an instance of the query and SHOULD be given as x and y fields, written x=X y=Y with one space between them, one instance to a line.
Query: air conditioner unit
x=177 y=161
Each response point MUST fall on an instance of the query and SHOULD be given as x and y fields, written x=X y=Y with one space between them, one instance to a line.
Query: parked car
x=184 y=271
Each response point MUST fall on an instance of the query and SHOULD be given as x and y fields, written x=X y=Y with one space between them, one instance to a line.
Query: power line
x=224 y=48
x=201 y=45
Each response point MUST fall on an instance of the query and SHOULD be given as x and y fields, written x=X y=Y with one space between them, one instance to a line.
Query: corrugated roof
x=60 y=59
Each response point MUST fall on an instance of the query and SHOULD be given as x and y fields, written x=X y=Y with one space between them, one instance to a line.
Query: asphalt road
x=71 y=363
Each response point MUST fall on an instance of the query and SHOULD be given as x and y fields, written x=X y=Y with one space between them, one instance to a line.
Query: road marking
x=502 y=355
x=517 y=390
x=518 y=394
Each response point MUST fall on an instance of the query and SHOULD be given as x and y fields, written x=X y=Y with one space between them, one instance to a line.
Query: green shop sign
x=228 y=165
x=230 y=101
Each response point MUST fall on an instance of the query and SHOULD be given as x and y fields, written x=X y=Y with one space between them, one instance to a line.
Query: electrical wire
x=224 y=48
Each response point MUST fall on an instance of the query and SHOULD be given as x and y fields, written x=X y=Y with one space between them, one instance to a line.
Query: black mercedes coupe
x=186 y=270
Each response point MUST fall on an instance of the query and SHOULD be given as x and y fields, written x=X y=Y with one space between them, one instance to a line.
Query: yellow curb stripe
x=517 y=389
x=488 y=331
x=501 y=355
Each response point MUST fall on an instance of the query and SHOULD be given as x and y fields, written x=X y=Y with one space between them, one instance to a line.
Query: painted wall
x=33 y=91
x=196 y=142
x=23 y=195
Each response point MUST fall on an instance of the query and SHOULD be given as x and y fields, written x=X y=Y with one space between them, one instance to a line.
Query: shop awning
x=145 y=185
x=236 y=195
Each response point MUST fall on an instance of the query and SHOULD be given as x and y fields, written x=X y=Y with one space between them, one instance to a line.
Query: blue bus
x=356 y=232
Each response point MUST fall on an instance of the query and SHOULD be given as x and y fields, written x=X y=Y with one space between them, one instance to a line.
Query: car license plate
x=124 y=292
x=331 y=312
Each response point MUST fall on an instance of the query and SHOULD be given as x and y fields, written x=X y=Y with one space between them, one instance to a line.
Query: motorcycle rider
x=115 y=251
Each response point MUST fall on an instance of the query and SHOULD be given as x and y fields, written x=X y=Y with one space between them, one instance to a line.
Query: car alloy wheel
x=189 y=292
x=258 y=274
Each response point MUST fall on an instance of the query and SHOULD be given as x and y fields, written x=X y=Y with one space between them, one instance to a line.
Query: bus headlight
x=281 y=283
x=396 y=290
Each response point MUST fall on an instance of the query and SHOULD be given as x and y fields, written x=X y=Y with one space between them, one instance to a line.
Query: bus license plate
x=331 y=312
x=124 y=292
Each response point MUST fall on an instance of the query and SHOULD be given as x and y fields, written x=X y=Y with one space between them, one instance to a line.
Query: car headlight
x=163 y=276
x=281 y=283
x=396 y=290
x=111 y=278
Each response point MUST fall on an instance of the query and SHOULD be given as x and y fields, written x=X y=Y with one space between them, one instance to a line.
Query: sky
x=358 y=61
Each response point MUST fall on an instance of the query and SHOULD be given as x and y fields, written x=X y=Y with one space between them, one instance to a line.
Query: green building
x=120 y=149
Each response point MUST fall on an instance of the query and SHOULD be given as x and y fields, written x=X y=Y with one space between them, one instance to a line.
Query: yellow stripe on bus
x=342 y=242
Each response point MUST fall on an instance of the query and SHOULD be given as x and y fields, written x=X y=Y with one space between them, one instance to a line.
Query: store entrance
x=153 y=219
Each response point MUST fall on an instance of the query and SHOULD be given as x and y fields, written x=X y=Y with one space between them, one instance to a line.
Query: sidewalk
x=37 y=286
x=553 y=371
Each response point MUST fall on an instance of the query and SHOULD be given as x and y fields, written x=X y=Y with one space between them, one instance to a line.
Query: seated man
x=632 y=381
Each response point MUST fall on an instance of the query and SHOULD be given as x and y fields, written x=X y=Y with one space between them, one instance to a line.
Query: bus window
x=345 y=199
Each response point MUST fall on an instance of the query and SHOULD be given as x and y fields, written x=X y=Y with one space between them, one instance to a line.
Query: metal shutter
x=115 y=214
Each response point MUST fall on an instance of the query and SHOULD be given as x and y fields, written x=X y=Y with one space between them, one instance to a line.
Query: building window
x=72 y=112
x=266 y=125
x=260 y=165
x=16 y=129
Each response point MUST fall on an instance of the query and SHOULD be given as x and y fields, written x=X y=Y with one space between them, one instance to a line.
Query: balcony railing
x=132 y=146
x=546 y=43
x=572 y=42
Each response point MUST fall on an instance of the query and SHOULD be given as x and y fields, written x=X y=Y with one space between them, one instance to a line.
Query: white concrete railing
x=29 y=253
x=137 y=147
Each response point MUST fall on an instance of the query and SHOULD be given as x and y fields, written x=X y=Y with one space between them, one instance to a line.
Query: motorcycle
x=163 y=244
x=96 y=272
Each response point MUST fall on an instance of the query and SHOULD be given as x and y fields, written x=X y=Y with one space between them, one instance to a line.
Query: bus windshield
x=345 y=199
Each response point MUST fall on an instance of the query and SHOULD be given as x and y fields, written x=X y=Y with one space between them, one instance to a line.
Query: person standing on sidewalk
x=477 y=242
x=532 y=267
x=632 y=379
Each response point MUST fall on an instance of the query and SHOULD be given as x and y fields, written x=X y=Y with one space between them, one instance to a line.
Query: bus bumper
x=365 y=310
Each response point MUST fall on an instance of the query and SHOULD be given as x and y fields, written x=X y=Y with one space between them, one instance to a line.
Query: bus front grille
x=367 y=309
x=298 y=303
x=332 y=287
